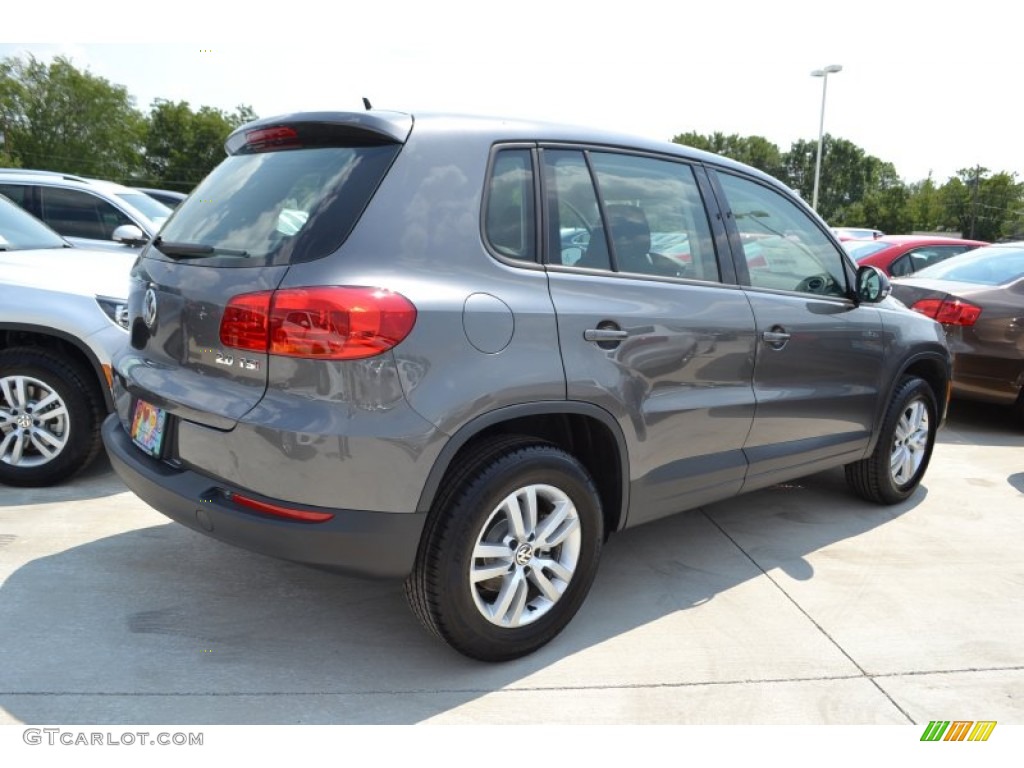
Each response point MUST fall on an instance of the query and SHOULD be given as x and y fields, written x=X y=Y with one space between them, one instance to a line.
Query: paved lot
x=797 y=604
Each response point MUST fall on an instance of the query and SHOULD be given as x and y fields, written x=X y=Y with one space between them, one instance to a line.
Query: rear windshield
x=994 y=265
x=277 y=207
x=152 y=209
x=861 y=250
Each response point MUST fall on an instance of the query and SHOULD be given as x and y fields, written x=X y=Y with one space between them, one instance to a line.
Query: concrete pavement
x=798 y=604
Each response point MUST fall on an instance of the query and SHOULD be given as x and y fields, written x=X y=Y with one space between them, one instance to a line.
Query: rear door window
x=628 y=213
x=74 y=213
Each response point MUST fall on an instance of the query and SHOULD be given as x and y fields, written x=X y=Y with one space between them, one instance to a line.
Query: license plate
x=148 y=425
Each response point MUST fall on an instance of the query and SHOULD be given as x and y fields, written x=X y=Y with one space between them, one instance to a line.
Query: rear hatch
x=290 y=191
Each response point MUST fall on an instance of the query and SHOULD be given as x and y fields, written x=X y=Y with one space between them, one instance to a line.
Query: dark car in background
x=979 y=299
x=445 y=349
x=900 y=255
x=168 y=197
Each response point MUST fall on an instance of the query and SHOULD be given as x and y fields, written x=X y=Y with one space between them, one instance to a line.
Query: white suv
x=62 y=316
x=88 y=212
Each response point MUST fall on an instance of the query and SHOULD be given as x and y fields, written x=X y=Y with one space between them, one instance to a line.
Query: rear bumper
x=375 y=544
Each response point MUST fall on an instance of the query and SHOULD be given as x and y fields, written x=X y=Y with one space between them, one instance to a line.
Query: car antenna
x=366 y=103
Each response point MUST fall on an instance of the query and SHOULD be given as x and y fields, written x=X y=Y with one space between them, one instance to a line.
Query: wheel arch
x=934 y=368
x=584 y=430
x=69 y=346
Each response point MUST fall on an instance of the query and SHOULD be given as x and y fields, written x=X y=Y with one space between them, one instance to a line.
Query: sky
x=930 y=87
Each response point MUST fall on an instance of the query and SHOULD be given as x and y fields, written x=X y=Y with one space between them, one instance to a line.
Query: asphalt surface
x=798 y=604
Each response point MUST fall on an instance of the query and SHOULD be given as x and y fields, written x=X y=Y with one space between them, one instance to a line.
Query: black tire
x=913 y=407
x=469 y=517
x=42 y=447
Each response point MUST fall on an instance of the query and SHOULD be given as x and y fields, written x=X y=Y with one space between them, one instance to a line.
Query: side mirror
x=129 y=234
x=872 y=285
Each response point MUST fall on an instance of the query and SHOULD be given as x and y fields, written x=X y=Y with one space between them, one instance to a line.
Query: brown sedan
x=979 y=299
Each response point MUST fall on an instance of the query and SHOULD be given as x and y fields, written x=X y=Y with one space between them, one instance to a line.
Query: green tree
x=55 y=117
x=755 y=151
x=925 y=208
x=183 y=146
x=848 y=177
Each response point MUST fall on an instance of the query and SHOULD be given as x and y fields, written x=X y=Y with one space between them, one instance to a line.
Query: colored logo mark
x=958 y=730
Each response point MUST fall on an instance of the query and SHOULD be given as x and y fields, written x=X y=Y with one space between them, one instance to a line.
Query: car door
x=818 y=368
x=656 y=339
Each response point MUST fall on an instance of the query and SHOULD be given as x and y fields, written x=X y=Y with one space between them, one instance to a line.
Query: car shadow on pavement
x=95 y=481
x=977 y=423
x=164 y=625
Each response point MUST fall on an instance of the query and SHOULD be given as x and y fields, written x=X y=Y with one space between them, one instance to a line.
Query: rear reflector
x=279 y=511
x=329 y=323
x=949 y=311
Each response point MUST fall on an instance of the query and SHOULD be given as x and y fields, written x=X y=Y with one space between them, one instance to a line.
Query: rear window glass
x=278 y=207
x=152 y=209
x=861 y=251
x=994 y=265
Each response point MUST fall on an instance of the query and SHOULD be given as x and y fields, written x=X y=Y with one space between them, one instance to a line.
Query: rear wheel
x=510 y=550
x=904 y=448
x=50 y=414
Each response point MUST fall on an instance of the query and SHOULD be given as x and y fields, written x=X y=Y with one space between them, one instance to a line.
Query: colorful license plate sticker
x=148 y=427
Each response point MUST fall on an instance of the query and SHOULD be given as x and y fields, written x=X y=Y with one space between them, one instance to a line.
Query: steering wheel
x=819 y=284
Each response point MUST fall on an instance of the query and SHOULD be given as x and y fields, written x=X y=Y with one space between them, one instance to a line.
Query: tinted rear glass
x=861 y=250
x=152 y=209
x=995 y=265
x=280 y=207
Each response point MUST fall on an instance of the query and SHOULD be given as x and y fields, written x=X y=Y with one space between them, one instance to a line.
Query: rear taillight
x=332 y=323
x=949 y=311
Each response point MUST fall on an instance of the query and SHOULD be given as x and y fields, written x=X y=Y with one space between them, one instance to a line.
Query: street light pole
x=831 y=69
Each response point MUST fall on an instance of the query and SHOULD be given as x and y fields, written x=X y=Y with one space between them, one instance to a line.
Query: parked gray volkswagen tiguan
x=364 y=343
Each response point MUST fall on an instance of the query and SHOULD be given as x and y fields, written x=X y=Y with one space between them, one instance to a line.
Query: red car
x=901 y=255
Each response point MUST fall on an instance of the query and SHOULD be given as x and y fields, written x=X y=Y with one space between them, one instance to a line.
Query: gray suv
x=463 y=352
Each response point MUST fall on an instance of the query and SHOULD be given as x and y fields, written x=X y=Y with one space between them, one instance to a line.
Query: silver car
x=62 y=317
x=88 y=212
x=366 y=343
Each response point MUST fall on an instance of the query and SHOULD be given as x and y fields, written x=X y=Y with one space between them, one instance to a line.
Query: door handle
x=605 y=334
x=776 y=338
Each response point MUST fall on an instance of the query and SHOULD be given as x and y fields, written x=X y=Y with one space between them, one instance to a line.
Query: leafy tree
x=848 y=176
x=755 y=151
x=55 y=117
x=183 y=146
x=925 y=208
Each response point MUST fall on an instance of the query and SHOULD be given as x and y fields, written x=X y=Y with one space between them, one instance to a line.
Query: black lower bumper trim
x=374 y=544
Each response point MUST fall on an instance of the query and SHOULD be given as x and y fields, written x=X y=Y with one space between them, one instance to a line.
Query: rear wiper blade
x=193 y=250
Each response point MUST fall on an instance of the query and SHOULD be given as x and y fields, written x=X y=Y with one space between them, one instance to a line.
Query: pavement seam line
x=811 y=619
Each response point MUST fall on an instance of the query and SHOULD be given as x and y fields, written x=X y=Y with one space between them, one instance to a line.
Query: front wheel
x=510 y=550
x=50 y=416
x=895 y=468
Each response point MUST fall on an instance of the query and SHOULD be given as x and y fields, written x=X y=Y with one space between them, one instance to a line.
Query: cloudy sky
x=923 y=87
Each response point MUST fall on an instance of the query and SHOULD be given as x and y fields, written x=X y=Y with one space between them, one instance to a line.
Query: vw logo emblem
x=524 y=554
x=149 y=308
